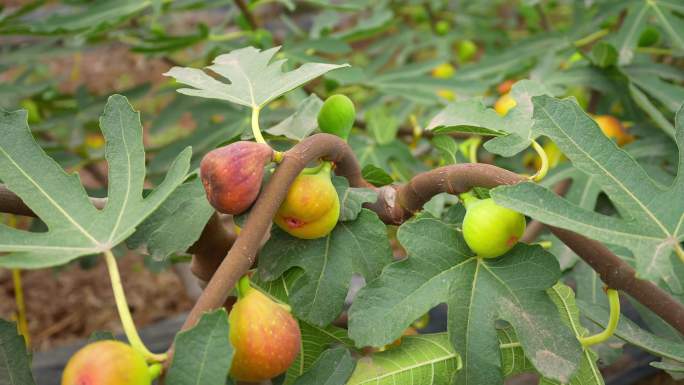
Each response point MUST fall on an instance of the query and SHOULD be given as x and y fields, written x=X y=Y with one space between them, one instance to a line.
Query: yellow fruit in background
x=443 y=71
x=614 y=129
x=504 y=104
x=311 y=208
x=447 y=94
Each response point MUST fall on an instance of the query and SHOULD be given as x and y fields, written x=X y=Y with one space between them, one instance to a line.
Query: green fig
x=489 y=229
x=107 y=363
x=337 y=116
x=265 y=336
x=466 y=50
x=649 y=37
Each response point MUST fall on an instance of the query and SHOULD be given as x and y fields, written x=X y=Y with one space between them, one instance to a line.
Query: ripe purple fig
x=232 y=175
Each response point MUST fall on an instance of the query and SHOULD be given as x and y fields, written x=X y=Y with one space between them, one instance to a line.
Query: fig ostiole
x=232 y=175
x=490 y=230
x=108 y=362
x=311 y=208
x=337 y=116
x=266 y=338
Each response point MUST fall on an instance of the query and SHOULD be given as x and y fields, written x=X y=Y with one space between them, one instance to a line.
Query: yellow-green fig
x=265 y=336
x=489 y=229
x=337 y=116
x=107 y=363
x=504 y=104
x=311 y=208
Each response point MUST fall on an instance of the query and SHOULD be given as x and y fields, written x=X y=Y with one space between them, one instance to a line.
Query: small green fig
x=265 y=336
x=337 y=116
x=311 y=208
x=650 y=36
x=466 y=50
x=489 y=229
x=442 y=27
x=232 y=175
x=107 y=363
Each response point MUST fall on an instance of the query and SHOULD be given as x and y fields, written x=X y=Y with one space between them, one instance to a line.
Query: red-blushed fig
x=264 y=335
x=107 y=363
x=311 y=208
x=490 y=230
x=232 y=175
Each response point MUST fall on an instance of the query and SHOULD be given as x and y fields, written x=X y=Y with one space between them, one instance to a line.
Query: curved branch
x=614 y=272
x=243 y=253
x=395 y=204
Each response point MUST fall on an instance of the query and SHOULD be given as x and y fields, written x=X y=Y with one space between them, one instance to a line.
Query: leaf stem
x=256 y=131
x=155 y=370
x=510 y=345
x=614 y=302
x=679 y=251
x=591 y=38
x=467 y=198
x=544 y=168
x=21 y=306
x=125 y=313
x=472 y=148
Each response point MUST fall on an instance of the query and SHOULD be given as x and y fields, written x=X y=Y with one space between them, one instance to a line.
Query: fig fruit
x=466 y=50
x=505 y=86
x=311 y=208
x=265 y=336
x=650 y=36
x=504 y=104
x=443 y=71
x=613 y=128
x=232 y=175
x=442 y=27
x=107 y=363
x=337 y=116
x=489 y=229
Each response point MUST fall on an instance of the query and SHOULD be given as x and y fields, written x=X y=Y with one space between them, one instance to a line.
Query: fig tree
x=489 y=229
x=265 y=336
x=107 y=363
x=232 y=175
x=337 y=116
x=311 y=208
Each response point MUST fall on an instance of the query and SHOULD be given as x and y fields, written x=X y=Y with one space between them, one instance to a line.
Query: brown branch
x=249 y=16
x=614 y=272
x=395 y=204
x=243 y=253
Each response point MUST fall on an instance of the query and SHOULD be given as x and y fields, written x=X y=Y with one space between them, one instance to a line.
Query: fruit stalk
x=125 y=313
